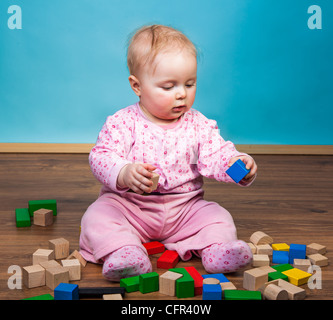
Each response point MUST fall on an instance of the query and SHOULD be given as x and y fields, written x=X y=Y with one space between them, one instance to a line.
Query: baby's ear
x=135 y=84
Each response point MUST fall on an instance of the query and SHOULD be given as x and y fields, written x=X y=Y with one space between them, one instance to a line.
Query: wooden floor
x=291 y=200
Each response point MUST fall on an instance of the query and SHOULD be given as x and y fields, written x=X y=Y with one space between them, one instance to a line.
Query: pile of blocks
x=42 y=212
x=46 y=270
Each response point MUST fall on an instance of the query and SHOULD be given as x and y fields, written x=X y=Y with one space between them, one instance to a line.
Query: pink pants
x=182 y=222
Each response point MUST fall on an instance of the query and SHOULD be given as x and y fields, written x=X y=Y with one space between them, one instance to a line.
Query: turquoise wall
x=264 y=75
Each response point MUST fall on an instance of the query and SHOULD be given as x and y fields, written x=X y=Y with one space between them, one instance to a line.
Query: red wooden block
x=154 y=247
x=168 y=260
x=198 y=279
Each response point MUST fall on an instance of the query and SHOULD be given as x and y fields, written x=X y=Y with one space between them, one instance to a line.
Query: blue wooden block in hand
x=238 y=171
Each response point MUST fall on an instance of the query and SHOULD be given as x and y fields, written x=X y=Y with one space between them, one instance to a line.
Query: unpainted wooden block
x=315 y=248
x=210 y=281
x=318 y=259
x=33 y=276
x=155 y=179
x=56 y=275
x=114 y=296
x=74 y=268
x=264 y=249
x=253 y=279
x=41 y=255
x=302 y=264
x=252 y=247
x=49 y=264
x=294 y=292
x=227 y=286
x=76 y=255
x=60 y=247
x=260 y=260
x=274 y=292
x=260 y=237
x=43 y=217
x=167 y=283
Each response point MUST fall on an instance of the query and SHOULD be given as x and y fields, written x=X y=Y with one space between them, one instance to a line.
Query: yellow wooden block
x=297 y=277
x=280 y=247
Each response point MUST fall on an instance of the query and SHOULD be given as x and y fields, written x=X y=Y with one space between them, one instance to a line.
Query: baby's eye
x=190 y=85
x=167 y=87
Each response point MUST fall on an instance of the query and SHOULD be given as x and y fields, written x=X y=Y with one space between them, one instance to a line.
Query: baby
x=161 y=133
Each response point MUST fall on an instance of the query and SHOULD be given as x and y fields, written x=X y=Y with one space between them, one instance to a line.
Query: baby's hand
x=136 y=177
x=249 y=163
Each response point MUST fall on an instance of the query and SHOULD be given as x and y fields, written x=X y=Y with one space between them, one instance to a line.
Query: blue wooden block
x=280 y=257
x=211 y=292
x=66 y=291
x=296 y=251
x=219 y=276
x=237 y=171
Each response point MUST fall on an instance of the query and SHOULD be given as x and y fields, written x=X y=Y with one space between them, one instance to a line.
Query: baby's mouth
x=179 y=108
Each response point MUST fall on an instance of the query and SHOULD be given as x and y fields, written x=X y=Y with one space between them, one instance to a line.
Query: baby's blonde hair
x=150 y=40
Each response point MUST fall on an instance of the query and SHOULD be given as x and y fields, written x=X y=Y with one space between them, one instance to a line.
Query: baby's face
x=169 y=90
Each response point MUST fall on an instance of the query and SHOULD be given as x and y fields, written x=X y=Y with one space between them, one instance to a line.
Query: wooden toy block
x=254 y=279
x=220 y=276
x=154 y=247
x=264 y=249
x=260 y=237
x=66 y=291
x=74 y=268
x=280 y=247
x=210 y=281
x=280 y=257
x=167 y=283
x=155 y=179
x=22 y=218
x=296 y=251
x=294 y=292
x=252 y=247
x=49 y=264
x=168 y=259
x=43 y=217
x=282 y=267
x=115 y=296
x=318 y=259
x=277 y=275
x=263 y=287
x=60 y=247
x=315 y=248
x=185 y=284
x=148 y=282
x=76 y=255
x=274 y=292
x=227 y=286
x=238 y=171
x=260 y=260
x=198 y=280
x=242 y=295
x=41 y=255
x=34 y=205
x=266 y=269
x=297 y=277
x=302 y=264
x=98 y=292
x=130 y=284
x=33 y=276
x=56 y=275
x=46 y=296
x=211 y=292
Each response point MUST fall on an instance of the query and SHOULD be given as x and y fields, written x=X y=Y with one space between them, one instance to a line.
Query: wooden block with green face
x=130 y=284
x=185 y=284
x=50 y=204
x=22 y=217
x=242 y=295
x=148 y=282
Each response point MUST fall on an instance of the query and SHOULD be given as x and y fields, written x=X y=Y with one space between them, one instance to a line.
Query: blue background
x=264 y=76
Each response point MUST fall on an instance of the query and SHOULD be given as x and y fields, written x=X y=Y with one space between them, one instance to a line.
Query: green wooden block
x=241 y=295
x=46 y=296
x=148 y=282
x=130 y=284
x=283 y=267
x=185 y=284
x=50 y=204
x=22 y=217
x=277 y=275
